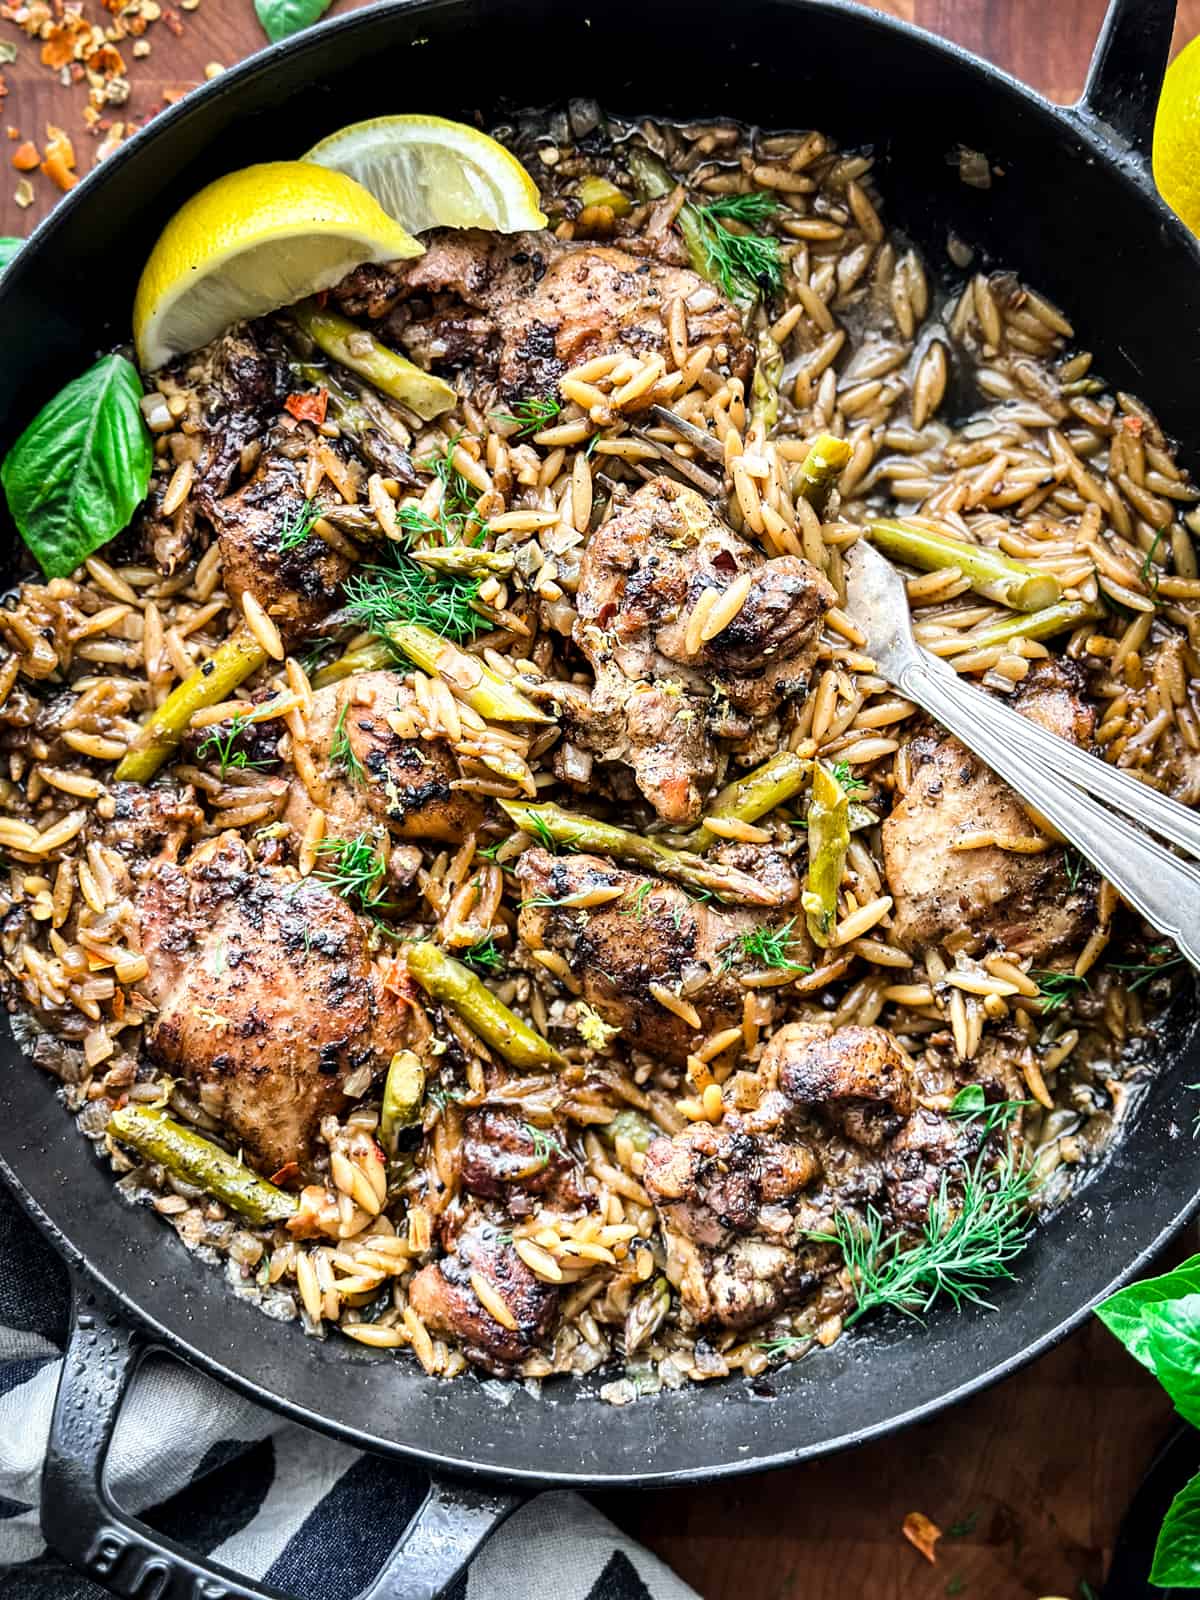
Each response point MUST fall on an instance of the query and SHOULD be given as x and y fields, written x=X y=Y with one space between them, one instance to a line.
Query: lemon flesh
x=430 y=173
x=1176 y=157
x=251 y=242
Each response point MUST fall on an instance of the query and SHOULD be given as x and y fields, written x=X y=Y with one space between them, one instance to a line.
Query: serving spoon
x=1054 y=776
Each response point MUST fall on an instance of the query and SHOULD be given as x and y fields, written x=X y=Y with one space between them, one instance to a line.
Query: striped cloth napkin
x=265 y=1497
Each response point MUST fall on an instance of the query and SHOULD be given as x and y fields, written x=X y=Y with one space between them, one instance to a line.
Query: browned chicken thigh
x=360 y=771
x=653 y=932
x=527 y=307
x=1024 y=903
x=266 y=995
x=658 y=704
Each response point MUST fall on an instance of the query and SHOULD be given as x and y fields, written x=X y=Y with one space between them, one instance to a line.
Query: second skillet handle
x=83 y=1524
x=1127 y=69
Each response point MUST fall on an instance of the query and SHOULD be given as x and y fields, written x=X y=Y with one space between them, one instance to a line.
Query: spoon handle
x=1165 y=890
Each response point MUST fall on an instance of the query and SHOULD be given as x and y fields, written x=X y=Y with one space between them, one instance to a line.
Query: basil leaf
x=1122 y=1313
x=281 y=18
x=969 y=1102
x=8 y=250
x=1177 y=1555
x=82 y=466
x=1173 y=1342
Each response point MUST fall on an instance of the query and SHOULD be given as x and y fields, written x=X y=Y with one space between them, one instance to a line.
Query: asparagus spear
x=1060 y=618
x=382 y=439
x=995 y=576
x=367 y=658
x=454 y=985
x=466 y=558
x=574 y=831
x=158 y=1137
x=828 y=841
x=353 y=347
x=632 y=1125
x=754 y=795
x=820 y=469
x=403 y=1095
x=483 y=690
x=230 y=664
x=764 y=393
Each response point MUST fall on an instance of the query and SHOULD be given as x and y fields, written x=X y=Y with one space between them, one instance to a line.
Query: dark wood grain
x=1041 y=1467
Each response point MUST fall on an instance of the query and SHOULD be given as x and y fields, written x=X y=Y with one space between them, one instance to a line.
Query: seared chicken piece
x=727 y=1200
x=1022 y=903
x=266 y=994
x=656 y=704
x=653 y=933
x=148 y=823
x=361 y=772
x=444 y=1298
x=504 y=1158
x=526 y=307
x=298 y=587
x=858 y=1077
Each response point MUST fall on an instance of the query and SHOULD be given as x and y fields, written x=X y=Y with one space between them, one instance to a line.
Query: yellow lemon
x=1177 y=136
x=251 y=242
x=430 y=173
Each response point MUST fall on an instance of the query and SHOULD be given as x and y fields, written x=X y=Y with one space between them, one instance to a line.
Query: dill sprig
x=341 y=754
x=531 y=414
x=785 y=1347
x=966 y=1242
x=742 y=263
x=637 y=901
x=1142 y=972
x=220 y=743
x=402 y=591
x=545 y=1145
x=767 y=947
x=851 y=786
x=485 y=955
x=458 y=496
x=355 y=869
x=297 y=527
x=1149 y=569
x=539 y=829
x=1056 y=988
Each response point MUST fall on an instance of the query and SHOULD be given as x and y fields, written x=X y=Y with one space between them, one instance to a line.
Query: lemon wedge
x=251 y=242
x=430 y=173
x=1176 y=156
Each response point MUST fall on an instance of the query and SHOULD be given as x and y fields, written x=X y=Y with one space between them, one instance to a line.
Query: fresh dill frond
x=458 y=496
x=491 y=851
x=220 y=744
x=1072 y=866
x=1149 y=569
x=784 y=1347
x=742 y=263
x=970 y=1105
x=485 y=956
x=355 y=869
x=1142 y=972
x=851 y=786
x=540 y=830
x=297 y=527
x=340 y=752
x=532 y=414
x=417 y=525
x=545 y=1145
x=636 y=906
x=1056 y=988
x=766 y=947
x=402 y=591
x=967 y=1241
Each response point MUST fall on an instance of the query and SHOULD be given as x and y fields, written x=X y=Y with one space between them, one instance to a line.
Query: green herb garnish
x=340 y=752
x=531 y=415
x=636 y=906
x=355 y=869
x=485 y=956
x=545 y=1145
x=766 y=947
x=297 y=527
x=741 y=263
x=220 y=744
x=1056 y=988
x=404 y=592
x=1142 y=972
x=282 y=18
x=851 y=786
x=970 y=1104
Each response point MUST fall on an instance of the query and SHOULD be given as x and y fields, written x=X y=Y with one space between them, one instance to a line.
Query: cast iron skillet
x=1072 y=209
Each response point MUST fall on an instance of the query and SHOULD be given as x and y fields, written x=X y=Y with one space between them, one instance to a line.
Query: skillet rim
x=1127 y=168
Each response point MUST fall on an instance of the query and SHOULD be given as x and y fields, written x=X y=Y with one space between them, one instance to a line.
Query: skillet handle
x=1127 y=69
x=83 y=1524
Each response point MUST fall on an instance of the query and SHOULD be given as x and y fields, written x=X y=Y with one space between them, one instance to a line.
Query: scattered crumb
x=24 y=194
x=922 y=1534
x=25 y=157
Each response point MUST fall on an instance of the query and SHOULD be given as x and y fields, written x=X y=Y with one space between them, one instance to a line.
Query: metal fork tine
x=696 y=476
x=689 y=432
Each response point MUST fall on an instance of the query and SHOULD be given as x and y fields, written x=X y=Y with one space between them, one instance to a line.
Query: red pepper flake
x=174 y=22
x=287 y=1173
x=922 y=1534
x=1133 y=425
x=308 y=407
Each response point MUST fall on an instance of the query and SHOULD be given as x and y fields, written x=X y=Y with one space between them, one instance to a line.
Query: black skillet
x=1072 y=208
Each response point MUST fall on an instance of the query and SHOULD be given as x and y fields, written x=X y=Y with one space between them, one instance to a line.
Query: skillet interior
x=1077 y=227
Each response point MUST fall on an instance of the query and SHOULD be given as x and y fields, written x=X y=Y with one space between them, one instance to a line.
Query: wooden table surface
x=1040 y=1468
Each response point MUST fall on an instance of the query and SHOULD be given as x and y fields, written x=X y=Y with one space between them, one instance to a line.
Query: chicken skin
x=658 y=704
x=266 y=995
x=354 y=765
x=526 y=307
x=1023 y=903
x=653 y=932
x=443 y=1296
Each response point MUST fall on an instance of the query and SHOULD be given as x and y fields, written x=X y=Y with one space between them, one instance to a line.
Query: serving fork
x=1058 y=780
